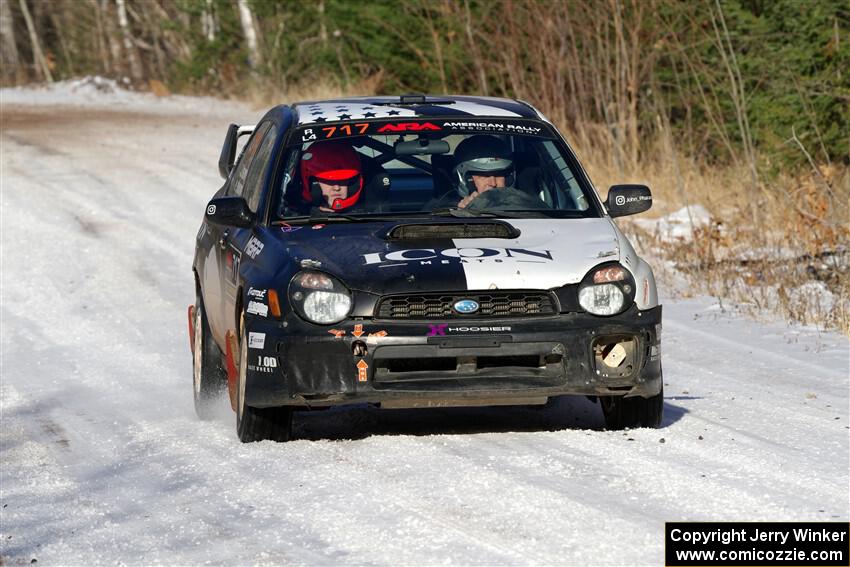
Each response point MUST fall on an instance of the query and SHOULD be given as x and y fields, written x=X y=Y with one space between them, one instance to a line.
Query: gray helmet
x=485 y=155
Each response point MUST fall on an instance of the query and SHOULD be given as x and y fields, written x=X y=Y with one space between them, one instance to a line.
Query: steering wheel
x=505 y=198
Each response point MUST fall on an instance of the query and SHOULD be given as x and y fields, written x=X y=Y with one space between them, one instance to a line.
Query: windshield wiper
x=339 y=217
x=459 y=213
x=455 y=212
x=466 y=213
x=312 y=219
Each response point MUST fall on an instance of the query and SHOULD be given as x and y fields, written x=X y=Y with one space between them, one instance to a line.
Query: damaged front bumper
x=460 y=362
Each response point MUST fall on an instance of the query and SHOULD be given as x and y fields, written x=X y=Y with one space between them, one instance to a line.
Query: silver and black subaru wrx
x=417 y=251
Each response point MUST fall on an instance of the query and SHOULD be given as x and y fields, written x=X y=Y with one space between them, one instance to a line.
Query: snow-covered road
x=104 y=462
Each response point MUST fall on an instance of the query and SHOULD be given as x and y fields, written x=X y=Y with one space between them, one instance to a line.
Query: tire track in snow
x=408 y=504
x=768 y=356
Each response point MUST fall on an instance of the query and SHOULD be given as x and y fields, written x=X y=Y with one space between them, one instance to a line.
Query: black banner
x=743 y=544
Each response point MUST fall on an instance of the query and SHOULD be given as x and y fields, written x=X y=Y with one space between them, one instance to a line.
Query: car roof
x=410 y=106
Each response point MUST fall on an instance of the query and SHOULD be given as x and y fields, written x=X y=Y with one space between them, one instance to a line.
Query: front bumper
x=453 y=362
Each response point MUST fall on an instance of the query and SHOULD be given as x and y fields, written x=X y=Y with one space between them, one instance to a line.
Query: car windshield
x=428 y=168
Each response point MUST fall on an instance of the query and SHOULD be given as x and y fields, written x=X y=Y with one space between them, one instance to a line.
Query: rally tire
x=209 y=376
x=628 y=413
x=258 y=424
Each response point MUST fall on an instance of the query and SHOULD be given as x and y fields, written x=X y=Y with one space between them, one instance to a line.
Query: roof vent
x=412 y=99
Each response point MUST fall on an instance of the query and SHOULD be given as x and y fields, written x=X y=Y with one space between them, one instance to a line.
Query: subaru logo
x=466 y=306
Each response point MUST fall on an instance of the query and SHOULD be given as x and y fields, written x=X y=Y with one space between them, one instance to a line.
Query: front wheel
x=208 y=375
x=628 y=413
x=258 y=424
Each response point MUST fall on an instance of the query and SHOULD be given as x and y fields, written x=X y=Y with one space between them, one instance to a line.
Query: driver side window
x=254 y=181
x=240 y=174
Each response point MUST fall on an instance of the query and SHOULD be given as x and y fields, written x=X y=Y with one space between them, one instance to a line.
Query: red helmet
x=332 y=162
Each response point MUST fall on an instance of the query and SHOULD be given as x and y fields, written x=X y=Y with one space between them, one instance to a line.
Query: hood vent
x=432 y=231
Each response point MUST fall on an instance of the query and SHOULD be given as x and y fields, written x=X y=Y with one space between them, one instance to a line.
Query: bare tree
x=583 y=60
x=58 y=17
x=323 y=28
x=111 y=39
x=246 y=17
x=8 y=46
x=102 y=52
x=476 y=53
x=739 y=97
x=129 y=46
x=208 y=23
x=37 y=54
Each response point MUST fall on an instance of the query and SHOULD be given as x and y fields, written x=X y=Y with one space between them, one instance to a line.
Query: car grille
x=492 y=304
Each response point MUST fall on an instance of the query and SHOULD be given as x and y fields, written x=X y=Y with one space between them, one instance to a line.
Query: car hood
x=548 y=253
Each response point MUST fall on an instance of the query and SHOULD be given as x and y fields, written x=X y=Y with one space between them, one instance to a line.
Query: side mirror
x=230 y=211
x=626 y=200
x=227 y=158
x=228 y=151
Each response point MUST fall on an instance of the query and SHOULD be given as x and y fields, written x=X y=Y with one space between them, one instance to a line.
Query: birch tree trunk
x=37 y=55
x=476 y=54
x=129 y=47
x=208 y=21
x=250 y=31
x=8 y=46
x=323 y=29
x=60 y=35
x=111 y=39
x=105 y=64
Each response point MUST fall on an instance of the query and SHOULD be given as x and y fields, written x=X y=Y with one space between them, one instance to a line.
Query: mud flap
x=232 y=370
x=192 y=329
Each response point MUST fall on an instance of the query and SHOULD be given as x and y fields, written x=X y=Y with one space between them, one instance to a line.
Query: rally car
x=415 y=252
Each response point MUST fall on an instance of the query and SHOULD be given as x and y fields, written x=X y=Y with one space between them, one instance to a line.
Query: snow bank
x=101 y=92
x=679 y=225
x=811 y=300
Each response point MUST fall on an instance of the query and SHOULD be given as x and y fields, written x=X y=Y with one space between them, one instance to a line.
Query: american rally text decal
x=494 y=126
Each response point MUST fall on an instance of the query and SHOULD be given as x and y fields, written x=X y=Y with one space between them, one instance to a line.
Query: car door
x=227 y=255
x=238 y=250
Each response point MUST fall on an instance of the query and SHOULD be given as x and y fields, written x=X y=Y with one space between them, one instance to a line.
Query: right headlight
x=606 y=290
x=319 y=298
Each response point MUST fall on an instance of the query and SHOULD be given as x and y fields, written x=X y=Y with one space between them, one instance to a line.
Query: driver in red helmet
x=331 y=176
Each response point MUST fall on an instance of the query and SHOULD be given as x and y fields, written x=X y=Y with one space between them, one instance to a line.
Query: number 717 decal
x=345 y=129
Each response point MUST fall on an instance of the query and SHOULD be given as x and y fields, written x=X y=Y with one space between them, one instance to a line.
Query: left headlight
x=606 y=290
x=319 y=297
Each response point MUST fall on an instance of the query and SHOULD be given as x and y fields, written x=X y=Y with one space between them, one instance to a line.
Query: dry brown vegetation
x=780 y=248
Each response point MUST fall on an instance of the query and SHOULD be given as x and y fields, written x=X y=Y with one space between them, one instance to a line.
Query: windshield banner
x=441 y=127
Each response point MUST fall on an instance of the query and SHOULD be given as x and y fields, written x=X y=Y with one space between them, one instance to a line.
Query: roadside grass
x=776 y=247
x=263 y=94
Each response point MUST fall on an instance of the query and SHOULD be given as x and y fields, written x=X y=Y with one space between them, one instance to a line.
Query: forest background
x=735 y=112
